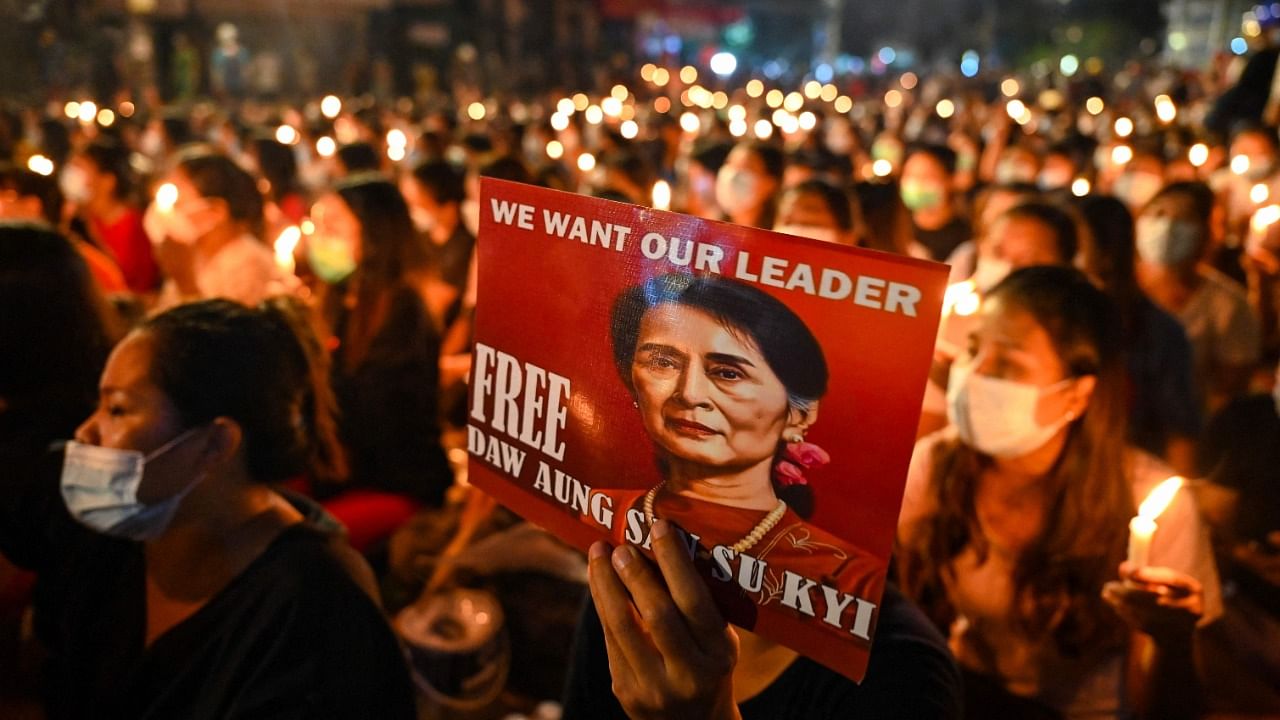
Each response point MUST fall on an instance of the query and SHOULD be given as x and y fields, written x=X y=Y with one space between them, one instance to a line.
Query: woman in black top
x=174 y=580
x=652 y=646
x=386 y=347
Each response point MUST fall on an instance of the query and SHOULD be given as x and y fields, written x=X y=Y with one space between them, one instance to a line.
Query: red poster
x=759 y=390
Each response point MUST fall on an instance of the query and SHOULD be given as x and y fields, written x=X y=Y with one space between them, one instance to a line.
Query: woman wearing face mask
x=747 y=181
x=386 y=362
x=99 y=182
x=1164 y=416
x=206 y=221
x=1172 y=236
x=927 y=191
x=1016 y=516
x=175 y=581
x=818 y=210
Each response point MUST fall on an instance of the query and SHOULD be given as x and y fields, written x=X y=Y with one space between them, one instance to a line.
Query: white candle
x=1140 y=531
x=1143 y=526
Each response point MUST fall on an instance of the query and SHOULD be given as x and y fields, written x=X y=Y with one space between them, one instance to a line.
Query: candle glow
x=1143 y=526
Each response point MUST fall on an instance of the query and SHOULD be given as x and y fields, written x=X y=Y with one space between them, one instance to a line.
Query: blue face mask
x=100 y=489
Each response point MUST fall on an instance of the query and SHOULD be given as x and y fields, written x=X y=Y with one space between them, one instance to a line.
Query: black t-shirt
x=942 y=242
x=911 y=676
x=292 y=636
x=1241 y=450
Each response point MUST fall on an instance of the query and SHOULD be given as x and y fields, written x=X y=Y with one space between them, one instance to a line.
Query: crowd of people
x=251 y=324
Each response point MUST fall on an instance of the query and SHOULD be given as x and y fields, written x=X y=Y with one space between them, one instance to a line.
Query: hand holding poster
x=760 y=391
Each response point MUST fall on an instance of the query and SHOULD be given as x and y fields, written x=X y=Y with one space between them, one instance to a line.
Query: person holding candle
x=1017 y=514
x=206 y=223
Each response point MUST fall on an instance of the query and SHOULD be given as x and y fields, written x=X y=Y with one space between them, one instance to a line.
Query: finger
x=662 y=617
x=617 y=614
x=620 y=669
x=1168 y=577
x=688 y=588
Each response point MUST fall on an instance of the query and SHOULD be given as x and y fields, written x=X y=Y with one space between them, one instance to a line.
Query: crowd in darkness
x=236 y=332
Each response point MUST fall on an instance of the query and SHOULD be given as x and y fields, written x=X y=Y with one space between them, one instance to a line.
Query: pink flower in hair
x=786 y=474
x=796 y=458
x=806 y=455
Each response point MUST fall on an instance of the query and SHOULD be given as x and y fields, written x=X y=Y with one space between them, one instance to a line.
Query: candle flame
x=285 y=245
x=1265 y=217
x=1159 y=498
x=166 y=197
x=662 y=195
x=961 y=299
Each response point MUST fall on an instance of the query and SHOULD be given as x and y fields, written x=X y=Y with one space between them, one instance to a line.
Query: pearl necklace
x=748 y=541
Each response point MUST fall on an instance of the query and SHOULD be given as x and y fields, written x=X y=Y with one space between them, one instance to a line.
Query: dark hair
x=28 y=183
x=1057 y=579
x=54 y=335
x=390 y=251
x=711 y=154
x=507 y=167
x=278 y=165
x=837 y=201
x=1255 y=128
x=1109 y=253
x=1198 y=197
x=260 y=367
x=215 y=175
x=886 y=220
x=786 y=343
x=358 y=157
x=1066 y=238
x=943 y=155
x=771 y=156
x=442 y=181
x=111 y=157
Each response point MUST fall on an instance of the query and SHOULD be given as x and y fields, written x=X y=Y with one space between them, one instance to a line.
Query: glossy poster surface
x=761 y=391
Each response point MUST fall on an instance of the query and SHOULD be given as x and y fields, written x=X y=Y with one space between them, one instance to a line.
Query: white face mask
x=736 y=190
x=1137 y=189
x=989 y=272
x=74 y=183
x=815 y=232
x=100 y=488
x=1054 y=179
x=998 y=417
x=1165 y=241
x=423 y=221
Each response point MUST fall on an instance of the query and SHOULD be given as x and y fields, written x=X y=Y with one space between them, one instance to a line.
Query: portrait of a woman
x=728 y=381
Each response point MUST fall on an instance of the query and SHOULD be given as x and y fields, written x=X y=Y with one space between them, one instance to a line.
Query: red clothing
x=128 y=243
x=792 y=545
x=105 y=274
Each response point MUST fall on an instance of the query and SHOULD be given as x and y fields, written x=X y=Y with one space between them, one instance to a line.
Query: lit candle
x=1143 y=527
x=1260 y=226
x=661 y=195
x=284 y=247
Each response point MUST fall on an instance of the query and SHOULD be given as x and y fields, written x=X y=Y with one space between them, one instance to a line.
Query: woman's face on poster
x=705 y=392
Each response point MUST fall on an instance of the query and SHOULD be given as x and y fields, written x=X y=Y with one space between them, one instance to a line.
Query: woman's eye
x=727 y=373
x=660 y=362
